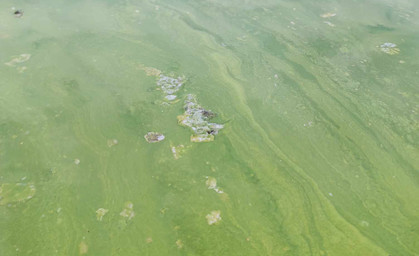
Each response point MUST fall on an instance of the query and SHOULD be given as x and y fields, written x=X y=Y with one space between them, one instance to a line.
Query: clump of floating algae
x=214 y=217
x=18 y=59
x=128 y=211
x=153 y=137
x=151 y=71
x=178 y=151
x=15 y=193
x=196 y=118
x=100 y=213
x=168 y=84
x=212 y=184
x=390 y=48
x=328 y=15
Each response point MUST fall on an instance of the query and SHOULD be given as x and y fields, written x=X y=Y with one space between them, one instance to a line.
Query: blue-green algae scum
x=209 y=127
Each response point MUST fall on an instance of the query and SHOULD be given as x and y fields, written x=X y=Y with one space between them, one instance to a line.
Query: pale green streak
x=318 y=155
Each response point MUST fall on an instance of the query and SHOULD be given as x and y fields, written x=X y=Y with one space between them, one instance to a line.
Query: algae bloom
x=390 y=48
x=128 y=211
x=196 y=118
x=16 y=193
x=153 y=137
x=100 y=213
x=213 y=217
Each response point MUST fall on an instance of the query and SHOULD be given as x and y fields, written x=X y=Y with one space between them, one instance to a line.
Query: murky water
x=209 y=127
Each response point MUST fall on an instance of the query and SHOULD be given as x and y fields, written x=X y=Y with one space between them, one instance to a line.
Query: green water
x=319 y=154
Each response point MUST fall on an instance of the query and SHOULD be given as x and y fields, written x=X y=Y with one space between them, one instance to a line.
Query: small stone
x=77 y=161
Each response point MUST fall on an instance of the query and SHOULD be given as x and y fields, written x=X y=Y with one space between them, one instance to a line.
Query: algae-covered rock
x=196 y=118
x=15 y=193
x=153 y=137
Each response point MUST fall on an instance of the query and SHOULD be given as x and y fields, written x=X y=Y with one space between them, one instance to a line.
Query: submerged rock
x=16 y=193
x=153 y=137
x=213 y=217
x=196 y=118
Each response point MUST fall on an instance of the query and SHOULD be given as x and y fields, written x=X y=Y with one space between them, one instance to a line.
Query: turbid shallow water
x=311 y=118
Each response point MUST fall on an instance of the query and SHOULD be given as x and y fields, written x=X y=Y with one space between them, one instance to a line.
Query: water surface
x=318 y=154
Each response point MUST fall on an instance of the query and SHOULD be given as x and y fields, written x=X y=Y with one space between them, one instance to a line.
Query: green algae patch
x=153 y=137
x=100 y=213
x=128 y=211
x=390 y=48
x=16 y=193
x=197 y=118
x=214 y=217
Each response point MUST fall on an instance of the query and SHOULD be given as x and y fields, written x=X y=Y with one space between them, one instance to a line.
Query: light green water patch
x=318 y=149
